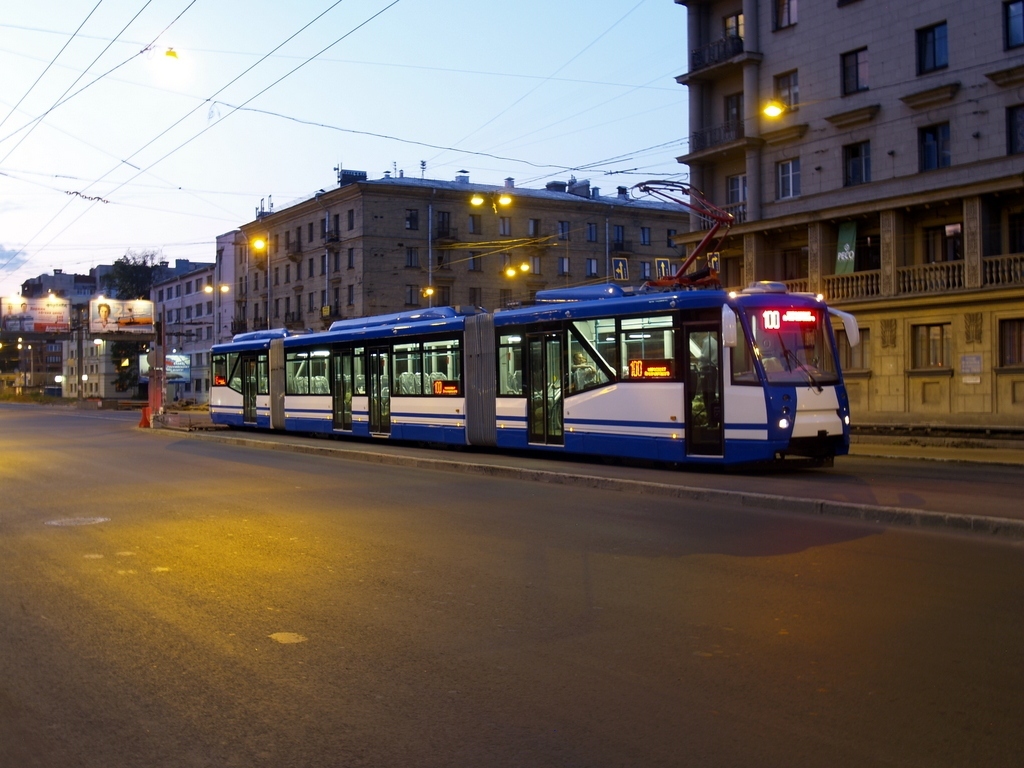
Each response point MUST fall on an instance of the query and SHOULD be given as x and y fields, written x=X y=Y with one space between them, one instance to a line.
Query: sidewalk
x=1000 y=452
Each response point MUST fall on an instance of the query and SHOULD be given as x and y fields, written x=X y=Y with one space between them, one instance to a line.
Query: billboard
x=45 y=315
x=178 y=367
x=120 y=316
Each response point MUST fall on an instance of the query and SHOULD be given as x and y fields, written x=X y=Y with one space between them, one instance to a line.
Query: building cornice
x=931 y=97
x=783 y=135
x=854 y=117
x=1006 y=78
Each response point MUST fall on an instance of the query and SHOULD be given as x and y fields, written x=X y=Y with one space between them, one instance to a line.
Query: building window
x=736 y=189
x=591 y=232
x=505 y=297
x=505 y=225
x=563 y=265
x=412 y=295
x=444 y=259
x=785 y=13
x=645 y=270
x=732 y=26
x=474 y=224
x=645 y=235
x=943 y=243
x=854 y=358
x=1011 y=342
x=855 y=71
x=444 y=224
x=412 y=257
x=287 y=273
x=476 y=297
x=309 y=273
x=787 y=90
x=351 y=289
x=277 y=308
x=312 y=301
x=787 y=179
x=474 y=262
x=933 y=144
x=535 y=265
x=412 y=218
x=309 y=239
x=619 y=235
x=592 y=268
x=533 y=228
x=670 y=238
x=351 y=214
x=160 y=295
x=298 y=270
x=932 y=49
x=932 y=346
x=351 y=258
x=857 y=163
x=734 y=109
x=443 y=296
x=563 y=230
x=1013 y=20
x=1015 y=130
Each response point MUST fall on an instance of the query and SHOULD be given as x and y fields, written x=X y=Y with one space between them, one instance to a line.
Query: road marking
x=287 y=637
x=66 y=521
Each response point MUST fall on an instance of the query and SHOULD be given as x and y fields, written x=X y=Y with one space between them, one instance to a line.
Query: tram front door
x=250 y=386
x=379 y=391
x=705 y=433
x=545 y=379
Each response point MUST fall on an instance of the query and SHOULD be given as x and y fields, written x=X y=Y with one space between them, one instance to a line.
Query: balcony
x=930 y=278
x=293 y=251
x=332 y=236
x=859 y=285
x=738 y=211
x=622 y=246
x=1003 y=270
x=446 y=234
x=716 y=136
x=238 y=326
x=715 y=53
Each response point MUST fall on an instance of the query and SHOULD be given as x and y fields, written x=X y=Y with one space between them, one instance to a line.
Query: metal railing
x=718 y=134
x=715 y=53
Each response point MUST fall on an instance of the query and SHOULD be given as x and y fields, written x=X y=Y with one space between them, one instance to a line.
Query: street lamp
x=220 y=290
x=262 y=244
x=502 y=199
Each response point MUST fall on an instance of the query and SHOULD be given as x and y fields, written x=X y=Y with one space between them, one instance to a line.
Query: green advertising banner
x=846 y=253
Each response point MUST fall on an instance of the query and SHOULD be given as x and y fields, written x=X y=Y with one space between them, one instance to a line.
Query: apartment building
x=386 y=245
x=891 y=180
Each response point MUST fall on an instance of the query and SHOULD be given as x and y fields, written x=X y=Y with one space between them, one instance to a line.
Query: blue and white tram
x=687 y=376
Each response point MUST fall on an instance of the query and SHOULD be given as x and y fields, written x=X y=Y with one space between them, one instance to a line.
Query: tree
x=131 y=276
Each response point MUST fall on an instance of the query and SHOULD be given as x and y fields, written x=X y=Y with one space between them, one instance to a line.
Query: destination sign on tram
x=446 y=388
x=653 y=370
x=777 y=319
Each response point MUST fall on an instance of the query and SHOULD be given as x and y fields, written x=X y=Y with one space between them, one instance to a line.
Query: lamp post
x=219 y=290
x=262 y=243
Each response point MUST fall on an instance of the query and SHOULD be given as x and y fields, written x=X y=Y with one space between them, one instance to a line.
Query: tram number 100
x=772 y=319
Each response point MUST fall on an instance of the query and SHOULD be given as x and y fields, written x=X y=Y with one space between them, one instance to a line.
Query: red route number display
x=446 y=387
x=776 y=319
x=650 y=369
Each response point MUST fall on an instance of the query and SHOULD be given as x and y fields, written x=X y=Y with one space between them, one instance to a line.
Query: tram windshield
x=793 y=346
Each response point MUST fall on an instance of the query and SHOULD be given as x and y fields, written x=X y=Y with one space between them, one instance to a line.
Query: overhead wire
x=52 y=62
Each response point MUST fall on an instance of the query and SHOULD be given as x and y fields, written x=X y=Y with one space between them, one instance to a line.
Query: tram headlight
x=783 y=423
x=846 y=419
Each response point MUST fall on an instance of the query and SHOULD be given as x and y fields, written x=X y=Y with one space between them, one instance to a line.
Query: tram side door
x=250 y=386
x=379 y=390
x=545 y=378
x=341 y=391
x=705 y=429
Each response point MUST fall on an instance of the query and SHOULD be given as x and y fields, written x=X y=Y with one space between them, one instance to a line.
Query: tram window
x=648 y=349
x=510 y=365
x=442 y=367
x=319 y=384
x=585 y=371
x=359 y=371
x=599 y=347
x=408 y=363
x=234 y=372
x=263 y=374
x=297 y=373
x=220 y=370
x=741 y=360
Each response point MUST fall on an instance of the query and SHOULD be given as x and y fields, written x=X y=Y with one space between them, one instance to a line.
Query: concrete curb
x=914 y=518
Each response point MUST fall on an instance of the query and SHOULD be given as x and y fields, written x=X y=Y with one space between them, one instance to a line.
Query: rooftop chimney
x=555 y=186
x=510 y=182
x=623 y=193
x=580 y=188
x=462 y=177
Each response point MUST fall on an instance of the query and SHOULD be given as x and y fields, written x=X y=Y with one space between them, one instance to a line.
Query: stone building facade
x=892 y=182
x=378 y=246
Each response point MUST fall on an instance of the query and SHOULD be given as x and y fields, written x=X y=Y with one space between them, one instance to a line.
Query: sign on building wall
x=117 y=316
x=48 y=315
x=846 y=252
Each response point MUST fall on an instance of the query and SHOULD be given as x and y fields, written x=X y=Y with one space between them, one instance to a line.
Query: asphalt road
x=178 y=602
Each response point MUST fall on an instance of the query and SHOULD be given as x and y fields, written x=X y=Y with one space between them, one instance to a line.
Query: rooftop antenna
x=337 y=170
x=423 y=168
